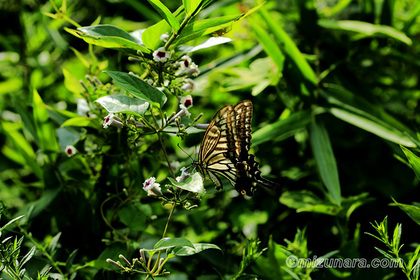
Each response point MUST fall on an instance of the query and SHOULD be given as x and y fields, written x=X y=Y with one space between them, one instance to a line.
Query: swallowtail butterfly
x=225 y=150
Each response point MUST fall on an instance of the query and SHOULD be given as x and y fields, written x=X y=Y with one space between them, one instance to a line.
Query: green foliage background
x=335 y=88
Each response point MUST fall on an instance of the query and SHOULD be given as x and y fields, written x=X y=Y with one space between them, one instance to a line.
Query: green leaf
x=81 y=122
x=108 y=36
x=357 y=111
x=282 y=128
x=10 y=85
x=44 y=128
x=11 y=222
x=71 y=82
x=166 y=14
x=376 y=127
x=27 y=257
x=131 y=217
x=289 y=47
x=396 y=238
x=325 y=159
x=270 y=46
x=211 y=42
x=388 y=256
x=53 y=244
x=190 y=6
x=138 y=88
x=413 y=211
x=192 y=184
x=123 y=104
x=200 y=28
x=413 y=160
x=415 y=272
x=188 y=251
x=149 y=37
x=21 y=150
x=70 y=259
x=366 y=29
x=167 y=243
x=306 y=201
x=413 y=258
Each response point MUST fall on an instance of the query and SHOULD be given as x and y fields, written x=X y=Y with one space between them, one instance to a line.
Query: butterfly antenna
x=184 y=151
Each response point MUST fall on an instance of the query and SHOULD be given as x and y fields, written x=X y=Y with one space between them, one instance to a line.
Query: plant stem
x=161 y=143
x=169 y=218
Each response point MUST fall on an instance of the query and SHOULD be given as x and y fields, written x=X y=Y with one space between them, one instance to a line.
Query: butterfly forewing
x=215 y=147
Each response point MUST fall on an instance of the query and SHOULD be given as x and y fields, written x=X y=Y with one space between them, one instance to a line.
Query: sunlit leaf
x=366 y=29
x=166 y=243
x=324 y=156
x=289 y=47
x=305 y=201
x=357 y=111
x=211 y=42
x=81 y=122
x=282 y=128
x=191 y=6
x=203 y=27
x=192 y=184
x=413 y=211
x=109 y=36
x=269 y=44
x=413 y=160
x=123 y=104
x=44 y=128
x=188 y=251
x=138 y=88
x=166 y=14
x=149 y=37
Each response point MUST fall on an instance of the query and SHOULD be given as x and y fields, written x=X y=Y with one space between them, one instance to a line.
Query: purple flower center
x=161 y=54
x=69 y=151
x=186 y=63
x=107 y=119
x=187 y=103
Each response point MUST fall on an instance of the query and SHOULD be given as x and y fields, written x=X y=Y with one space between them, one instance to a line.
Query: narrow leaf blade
x=325 y=159
x=413 y=160
x=166 y=14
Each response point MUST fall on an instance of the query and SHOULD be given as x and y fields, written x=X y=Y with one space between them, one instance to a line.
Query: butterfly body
x=225 y=149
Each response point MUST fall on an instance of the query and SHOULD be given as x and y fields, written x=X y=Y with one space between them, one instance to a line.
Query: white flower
x=193 y=69
x=113 y=120
x=164 y=37
x=152 y=188
x=160 y=55
x=184 y=175
x=182 y=113
x=70 y=150
x=186 y=101
x=188 y=85
x=82 y=107
x=147 y=185
x=185 y=62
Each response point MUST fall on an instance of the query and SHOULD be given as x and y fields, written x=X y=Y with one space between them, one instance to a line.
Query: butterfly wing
x=243 y=118
x=225 y=150
x=214 y=150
